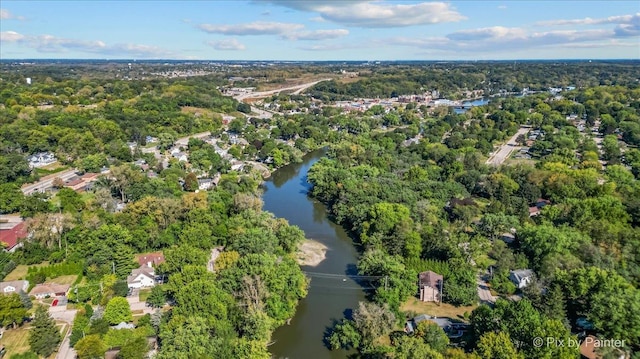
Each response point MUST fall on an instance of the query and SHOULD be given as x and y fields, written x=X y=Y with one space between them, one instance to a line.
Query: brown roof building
x=51 y=290
x=429 y=285
x=150 y=259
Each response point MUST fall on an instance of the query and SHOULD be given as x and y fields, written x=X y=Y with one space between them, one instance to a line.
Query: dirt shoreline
x=311 y=253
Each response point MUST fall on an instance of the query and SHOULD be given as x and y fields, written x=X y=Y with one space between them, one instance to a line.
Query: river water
x=332 y=293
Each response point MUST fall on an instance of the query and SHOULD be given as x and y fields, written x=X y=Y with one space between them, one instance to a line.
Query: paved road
x=183 y=141
x=505 y=150
x=47 y=182
x=483 y=292
x=65 y=351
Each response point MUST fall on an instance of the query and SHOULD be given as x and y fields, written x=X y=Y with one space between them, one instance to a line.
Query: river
x=332 y=294
x=472 y=103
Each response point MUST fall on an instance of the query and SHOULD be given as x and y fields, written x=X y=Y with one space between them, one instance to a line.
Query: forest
x=410 y=184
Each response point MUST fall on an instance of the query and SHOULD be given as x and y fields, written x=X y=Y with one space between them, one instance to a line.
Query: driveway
x=66 y=315
x=484 y=293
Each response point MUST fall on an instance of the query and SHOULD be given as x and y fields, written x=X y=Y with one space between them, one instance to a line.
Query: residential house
x=521 y=277
x=589 y=345
x=142 y=164
x=15 y=286
x=124 y=325
x=429 y=285
x=41 y=291
x=180 y=156
x=205 y=183
x=143 y=277
x=10 y=235
x=75 y=184
x=539 y=204
x=534 y=211
x=150 y=259
x=82 y=183
x=445 y=323
x=41 y=159
x=508 y=237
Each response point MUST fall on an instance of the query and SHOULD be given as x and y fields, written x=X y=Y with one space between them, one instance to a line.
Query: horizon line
x=336 y=60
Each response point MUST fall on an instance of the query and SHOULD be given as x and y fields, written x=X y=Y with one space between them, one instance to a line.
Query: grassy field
x=15 y=341
x=21 y=271
x=433 y=309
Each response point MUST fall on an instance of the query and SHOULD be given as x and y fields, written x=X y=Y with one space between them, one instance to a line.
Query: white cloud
x=333 y=47
x=633 y=19
x=7 y=15
x=227 y=45
x=317 y=34
x=54 y=44
x=495 y=32
x=10 y=36
x=254 y=28
x=377 y=14
x=499 y=39
x=289 y=31
x=502 y=7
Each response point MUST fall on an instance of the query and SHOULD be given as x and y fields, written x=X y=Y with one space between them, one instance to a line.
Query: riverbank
x=311 y=253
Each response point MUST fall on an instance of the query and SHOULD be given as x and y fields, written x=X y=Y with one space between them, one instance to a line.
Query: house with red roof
x=11 y=235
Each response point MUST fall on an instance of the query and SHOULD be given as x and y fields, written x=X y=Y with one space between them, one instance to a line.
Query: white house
x=181 y=156
x=143 y=277
x=521 y=277
x=15 y=286
x=205 y=183
x=41 y=159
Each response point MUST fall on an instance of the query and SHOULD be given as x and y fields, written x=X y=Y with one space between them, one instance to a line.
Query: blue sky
x=320 y=30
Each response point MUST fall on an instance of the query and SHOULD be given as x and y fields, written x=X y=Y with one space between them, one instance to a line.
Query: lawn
x=16 y=341
x=433 y=309
x=144 y=294
x=63 y=279
x=21 y=271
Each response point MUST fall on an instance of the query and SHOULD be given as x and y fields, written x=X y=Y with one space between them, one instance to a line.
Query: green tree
x=26 y=300
x=70 y=200
x=344 y=335
x=90 y=347
x=433 y=335
x=117 y=311
x=11 y=198
x=44 y=337
x=412 y=347
x=135 y=348
x=157 y=297
x=191 y=182
x=373 y=320
x=12 y=311
x=497 y=346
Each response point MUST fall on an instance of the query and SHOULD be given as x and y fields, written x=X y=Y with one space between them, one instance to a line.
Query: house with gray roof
x=521 y=277
x=15 y=286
